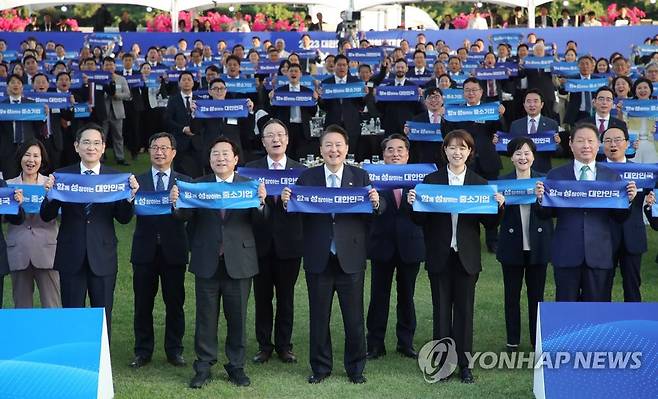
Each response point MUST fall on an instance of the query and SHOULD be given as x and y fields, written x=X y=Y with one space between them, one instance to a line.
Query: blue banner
x=98 y=77
x=152 y=203
x=52 y=99
x=453 y=96
x=545 y=141
x=467 y=199
x=512 y=39
x=498 y=73
x=304 y=80
x=83 y=189
x=22 y=112
x=482 y=112
x=221 y=109
x=201 y=95
x=421 y=131
x=389 y=177
x=275 y=180
x=241 y=85
x=8 y=205
x=306 y=54
x=101 y=39
x=371 y=55
x=82 y=110
x=33 y=195
x=531 y=62
x=517 y=191
x=285 y=98
x=640 y=108
x=237 y=195
x=643 y=174
x=346 y=90
x=585 y=194
x=567 y=69
x=646 y=49
x=134 y=81
x=584 y=85
x=512 y=67
x=316 y=199
x=396 y=93
x=268 y=67
x=459 y=79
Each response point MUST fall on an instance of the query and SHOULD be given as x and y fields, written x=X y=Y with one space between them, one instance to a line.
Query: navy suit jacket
x=176 y=118
x=393 y=231
x=583 y=236
x=395 y=114
x=345 y=112
x=510 y=239
x=173 y=238
x=520 y=128
x=91 y=237
x=350 y=231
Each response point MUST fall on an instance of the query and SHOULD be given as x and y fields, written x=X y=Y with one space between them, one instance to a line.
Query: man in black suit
x=487 y=162
x=178 y=119
x=134 y=107
x=396 y=113
x=603 y=103
x=395 y=245
x=344 y=111
x=14 y=133
x=335 y=260
x=96 y=92
x=541 y=80
x=279 y=244
x=429 y=151
x=223 y=261
x=159 y=252
x=566 y=20
x=579 y=105
x=543 y=20
x=86 y=255
x=297 y=119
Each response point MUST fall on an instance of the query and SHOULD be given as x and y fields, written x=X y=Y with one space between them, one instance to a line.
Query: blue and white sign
x=8 y=205
x=467 y=199
x=421 y=131
x=392 y=176
x=241 y=85
x=285 y=98
x=275 y=180
x=584 y=85
x=498 y=73
x=206 y=109
x=152 y=203
x=640 y=108
x=52 y=99
x=544 y=141
x=482 y=112
x=585 y=194
x=397 y=93
x=643 y=174
x=517 y=191
x=83 y=189
x=453 y=96
x=237 y=195
x=316 y=199
x=532 y=62
x=33 y=195
x=346 y=90
x=22 y=112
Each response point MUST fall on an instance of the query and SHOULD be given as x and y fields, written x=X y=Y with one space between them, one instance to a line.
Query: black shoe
x=492 y=247
x=317 y=378
x=376 y=352
x=407 y=352
x=238 y=377
x=123 y=162
x=140 y=361
x=511 y=348
x=262 y=357
x=287 y=356
x=466 y=376
x=176 y=360
x=358 y=379
x=200 y=379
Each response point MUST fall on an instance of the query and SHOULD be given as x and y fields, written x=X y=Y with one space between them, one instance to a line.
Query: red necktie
x=601 y=126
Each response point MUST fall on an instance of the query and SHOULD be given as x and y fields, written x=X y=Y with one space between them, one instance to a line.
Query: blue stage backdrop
x=600 y=42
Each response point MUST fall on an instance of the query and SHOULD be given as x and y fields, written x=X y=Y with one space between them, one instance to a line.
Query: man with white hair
x=280 y=45
x=542 y=81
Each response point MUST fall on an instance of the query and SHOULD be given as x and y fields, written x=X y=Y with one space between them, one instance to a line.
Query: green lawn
x=389 y=377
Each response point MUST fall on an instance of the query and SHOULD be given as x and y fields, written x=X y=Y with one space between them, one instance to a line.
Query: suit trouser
x=132 y=128
x=581 y=284
x=145 y=288
x=280 y=276
x=321 y=288
x=22 y=282
x=209 y=294
x=453 y=299
x=115 y=127
x=535 y=280
x=629 y=265
x=76 y=287
x=381 y=279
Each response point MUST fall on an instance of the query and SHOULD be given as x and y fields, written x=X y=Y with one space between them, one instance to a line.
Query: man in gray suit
x=118 y=93
x=223 y=261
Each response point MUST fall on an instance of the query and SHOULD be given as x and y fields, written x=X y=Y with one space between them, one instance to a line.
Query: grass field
x=389 y=377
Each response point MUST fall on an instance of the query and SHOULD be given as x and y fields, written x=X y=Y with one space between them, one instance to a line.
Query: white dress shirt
x=455 y=180
x=96 y=169
x=228 y=180
x=536 y=118
x=282 y=162
x=339 y=175
x=525 y=225
x=341 y=80
x=295 y=112
x=606 y=120
x=165 y=177
x=591 y=173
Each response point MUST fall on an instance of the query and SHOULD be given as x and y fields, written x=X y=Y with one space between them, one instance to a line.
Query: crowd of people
x=150 y=101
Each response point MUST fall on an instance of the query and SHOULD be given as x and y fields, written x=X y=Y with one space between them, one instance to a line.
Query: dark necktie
x=88 y=205
x=188 y=105
x=159 y=185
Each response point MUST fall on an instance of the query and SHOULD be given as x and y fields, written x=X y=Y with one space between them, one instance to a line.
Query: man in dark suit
x=629 y=238
x=541 y=80
x=428 y=151
x=582 y=246
x=134 y=107
x=579 y=105
x=419 y=71
x=396 y=113
x=178 y=119
x=96 y=92
x=344 y=111
x=543 y=20
x=14 y=133
x=335 y=260
x=86 y=255
x=536 y=123
x=159 y=252
x=487 y=162
x=297 y=119
x=64 y=125
x=279 y=244
x=223 y=261
x=603 y=103
x=395 y=245
x=566 y=20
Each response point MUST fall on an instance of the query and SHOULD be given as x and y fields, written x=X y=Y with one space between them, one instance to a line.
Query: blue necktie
x=159 y=185
x=333 y=183
x=88 y=205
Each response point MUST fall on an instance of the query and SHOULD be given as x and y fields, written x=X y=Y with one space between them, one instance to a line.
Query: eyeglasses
x=604 y=99
x=89 y=143
x=162 y=148
x=472 y=90
x=616 y=140
x=218 y=89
